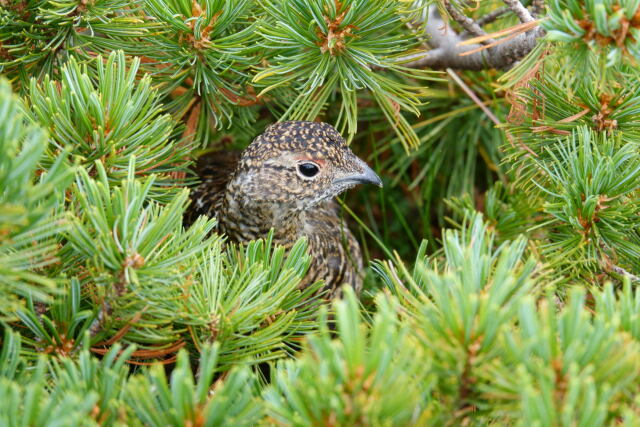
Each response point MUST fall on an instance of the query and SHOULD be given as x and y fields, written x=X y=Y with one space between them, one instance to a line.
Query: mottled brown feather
x=214 y=170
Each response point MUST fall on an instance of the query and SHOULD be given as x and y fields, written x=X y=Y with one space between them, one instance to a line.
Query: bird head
x=299 y=164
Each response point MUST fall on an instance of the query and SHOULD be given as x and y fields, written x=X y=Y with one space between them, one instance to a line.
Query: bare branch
x=467 y=23
x=488 y=19
x=622 y=272
x=521 y=12
x=609 y=266
x=492 y=16
x=96 y=325
x=446 y=51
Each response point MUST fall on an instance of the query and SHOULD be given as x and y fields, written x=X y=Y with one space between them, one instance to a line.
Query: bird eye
x=308 y=170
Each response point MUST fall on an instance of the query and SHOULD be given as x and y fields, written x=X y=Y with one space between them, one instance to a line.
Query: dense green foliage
x=504 y=256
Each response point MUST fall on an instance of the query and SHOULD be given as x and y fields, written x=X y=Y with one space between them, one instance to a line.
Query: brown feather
x=214 y=170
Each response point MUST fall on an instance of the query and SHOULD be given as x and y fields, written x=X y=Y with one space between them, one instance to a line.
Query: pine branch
x=104 y=114
x=185 y=400
x=519 y=10
x=624 y=273
x=492 y=16
x=608 y=29
x=30 y=207
x=446 y=51
x=467 y=23
x=358 y=371
x=133 y=255
x=247 y=299
x=37 y=38
x=205 y=50
x=329 y=50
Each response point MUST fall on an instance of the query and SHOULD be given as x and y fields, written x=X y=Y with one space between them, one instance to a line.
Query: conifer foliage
x=504 y=247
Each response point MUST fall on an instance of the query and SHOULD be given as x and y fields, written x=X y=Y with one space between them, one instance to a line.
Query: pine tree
x=504 y=247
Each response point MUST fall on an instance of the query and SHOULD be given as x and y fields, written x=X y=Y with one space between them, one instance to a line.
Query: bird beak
x=367 y=176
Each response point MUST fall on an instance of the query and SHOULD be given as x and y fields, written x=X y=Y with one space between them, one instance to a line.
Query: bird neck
x=244 y=218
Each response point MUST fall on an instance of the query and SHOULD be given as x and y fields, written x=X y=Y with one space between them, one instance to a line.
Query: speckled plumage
x=268 y=190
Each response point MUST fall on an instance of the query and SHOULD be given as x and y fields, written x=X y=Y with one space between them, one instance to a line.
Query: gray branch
x=445 y=52
x=492 y=16
x=467 y=23
x=521 y=12
x=621 y=271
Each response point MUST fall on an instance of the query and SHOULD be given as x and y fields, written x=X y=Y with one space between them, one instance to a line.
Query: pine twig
x=467 y=23
x=447 y=52
x=103 y=313
x=609 y=265
x=468 y=91
x=492 y=16
x=521 y=12
x=622 y=272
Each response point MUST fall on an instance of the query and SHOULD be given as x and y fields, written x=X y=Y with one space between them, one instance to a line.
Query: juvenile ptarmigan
x=286 y=180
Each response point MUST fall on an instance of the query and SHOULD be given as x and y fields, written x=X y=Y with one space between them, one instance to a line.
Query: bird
x=286 y=180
